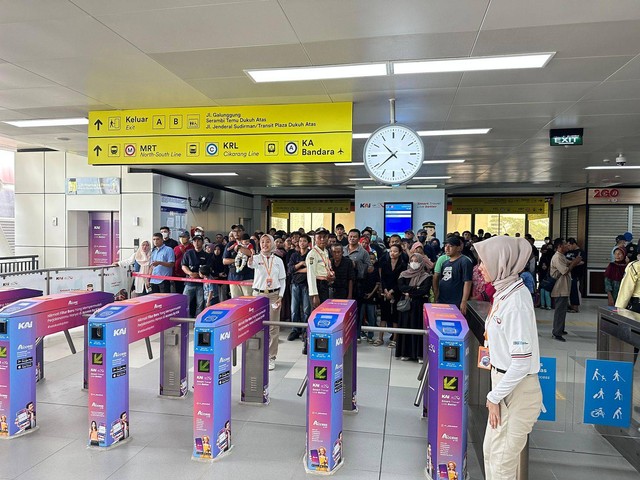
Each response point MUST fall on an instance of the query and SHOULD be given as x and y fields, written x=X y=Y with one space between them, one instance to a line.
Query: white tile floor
x=385 y=440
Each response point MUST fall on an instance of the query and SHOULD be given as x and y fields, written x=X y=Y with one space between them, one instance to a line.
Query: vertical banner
x=115 y=227
x=547 y=377
x=100 y=239
x=608 y=390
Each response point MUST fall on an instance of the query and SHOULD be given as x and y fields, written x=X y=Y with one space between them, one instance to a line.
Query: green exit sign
x=565 y=137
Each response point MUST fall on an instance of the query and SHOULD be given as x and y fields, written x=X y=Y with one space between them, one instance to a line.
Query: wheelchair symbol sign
x=212 y=149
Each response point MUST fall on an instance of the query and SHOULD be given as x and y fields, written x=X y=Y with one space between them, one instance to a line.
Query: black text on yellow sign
x=450 y=383
x=230 y=149
x=234 y=120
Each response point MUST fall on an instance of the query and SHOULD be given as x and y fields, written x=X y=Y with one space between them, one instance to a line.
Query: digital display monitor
x=204 y=339
x=97 y=333
x=398 y=218
x=3 y=328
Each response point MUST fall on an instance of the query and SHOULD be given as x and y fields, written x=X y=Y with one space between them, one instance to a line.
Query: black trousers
x=162 y=287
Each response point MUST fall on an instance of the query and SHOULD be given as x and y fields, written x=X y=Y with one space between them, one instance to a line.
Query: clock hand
x=393 y=154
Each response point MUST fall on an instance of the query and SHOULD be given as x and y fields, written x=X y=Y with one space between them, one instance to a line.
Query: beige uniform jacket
x=630 y=286
x=317 y=268
x=560 y=271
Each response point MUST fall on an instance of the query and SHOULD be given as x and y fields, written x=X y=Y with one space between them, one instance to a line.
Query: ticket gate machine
x=21 y=323
x=12 y=294
x=219 y=329
x=448 y=396
x=111 y=330
x=331 y=369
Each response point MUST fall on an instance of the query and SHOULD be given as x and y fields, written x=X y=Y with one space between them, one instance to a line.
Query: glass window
x=280 y=223
x=539 y=228
x=458 y=222
x=346 y=219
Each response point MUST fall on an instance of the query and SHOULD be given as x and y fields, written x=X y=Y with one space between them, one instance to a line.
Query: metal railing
x=21 y=263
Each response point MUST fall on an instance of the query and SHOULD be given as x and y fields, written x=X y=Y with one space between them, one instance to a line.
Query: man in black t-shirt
x=192 y=261
x=300 y=300
x=577 y=274
x=456 y=280
x=343 y=284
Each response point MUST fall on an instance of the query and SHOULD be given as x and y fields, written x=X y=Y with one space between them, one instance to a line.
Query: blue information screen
x=398 y=218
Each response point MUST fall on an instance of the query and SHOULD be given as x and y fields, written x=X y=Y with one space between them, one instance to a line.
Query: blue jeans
x=370 y=310
x=545 y=298
x=195 y=291
x=300 y=298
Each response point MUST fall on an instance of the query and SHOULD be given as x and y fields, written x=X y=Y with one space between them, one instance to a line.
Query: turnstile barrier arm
x=147 y=341
x=424 y=372
x=72 y=347
x=303 y=385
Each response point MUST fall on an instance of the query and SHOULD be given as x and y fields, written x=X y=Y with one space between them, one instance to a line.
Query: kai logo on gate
x=23 y=325
x=225 y=336
x=119 y=331
x=338 y=341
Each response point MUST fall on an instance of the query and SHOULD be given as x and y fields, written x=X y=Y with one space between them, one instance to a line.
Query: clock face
x=393 y=154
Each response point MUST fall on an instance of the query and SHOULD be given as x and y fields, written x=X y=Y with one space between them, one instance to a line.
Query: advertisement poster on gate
x=36 y=280
x=70 y=280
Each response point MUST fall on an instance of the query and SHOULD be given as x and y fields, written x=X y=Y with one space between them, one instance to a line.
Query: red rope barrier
x=196 y=280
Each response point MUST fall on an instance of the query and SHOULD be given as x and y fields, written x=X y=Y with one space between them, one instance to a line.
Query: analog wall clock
x=393 y=154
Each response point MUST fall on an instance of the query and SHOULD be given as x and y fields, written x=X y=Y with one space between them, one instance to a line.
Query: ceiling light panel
x=474 y=64
x=48 y=122
x=328 y=72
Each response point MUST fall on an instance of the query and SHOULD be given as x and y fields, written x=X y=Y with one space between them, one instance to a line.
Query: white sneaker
x=272 y=364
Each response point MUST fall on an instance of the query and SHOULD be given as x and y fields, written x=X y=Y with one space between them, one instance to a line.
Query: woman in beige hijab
x=143 y=257
x=515 y=398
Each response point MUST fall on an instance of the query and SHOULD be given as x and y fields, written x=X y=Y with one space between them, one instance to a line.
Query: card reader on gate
x=451 y=353
x=321 y=345
x=97 y=332
x=3 y=328
x=204 y=339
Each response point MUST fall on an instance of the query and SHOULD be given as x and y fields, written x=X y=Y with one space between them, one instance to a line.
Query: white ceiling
x=62 y=58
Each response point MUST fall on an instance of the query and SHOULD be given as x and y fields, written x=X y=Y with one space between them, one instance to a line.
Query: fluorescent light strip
x=474 y=64
x=614 y=167
x=327 y=72
x=458 y=131
x=426 y=162
x=374 y=186
x=433 y=162
x=217 y=174
x=50 y=122
x=364 y=179
x=437 y=133
x=422 y=186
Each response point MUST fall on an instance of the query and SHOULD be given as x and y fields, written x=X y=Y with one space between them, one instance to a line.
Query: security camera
x=621 y=160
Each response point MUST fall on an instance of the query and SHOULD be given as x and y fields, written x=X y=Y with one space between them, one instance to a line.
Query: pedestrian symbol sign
x=607 y=395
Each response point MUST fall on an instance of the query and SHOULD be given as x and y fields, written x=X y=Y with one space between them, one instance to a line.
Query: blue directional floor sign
x=547 y=377
x=608 y=389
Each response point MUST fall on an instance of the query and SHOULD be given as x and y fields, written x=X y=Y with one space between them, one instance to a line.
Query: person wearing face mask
x=166 y=237
x=415 y=284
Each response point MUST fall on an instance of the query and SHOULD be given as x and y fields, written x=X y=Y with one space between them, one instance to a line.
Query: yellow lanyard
x=268 y=265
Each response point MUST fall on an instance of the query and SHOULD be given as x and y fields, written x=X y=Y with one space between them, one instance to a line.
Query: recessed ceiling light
x=317 y=73
x=216 y=174
x=431 y=162
x=349 y=164
x=50 y=122
x=422 y=186
x=470 y=64
x=437 y=133
x=614 y=167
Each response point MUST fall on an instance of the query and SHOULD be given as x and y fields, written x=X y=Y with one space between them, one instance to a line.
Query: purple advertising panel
x=111 y=330
x=10 y=294
x=100 y=239
x=447 y=398
x=20 y=324
x=108 y=383
x=218 y=330
x=331 y=329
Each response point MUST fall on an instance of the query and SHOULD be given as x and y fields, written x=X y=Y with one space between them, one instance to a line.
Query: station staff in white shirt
x=515 y=399
x=269 y=281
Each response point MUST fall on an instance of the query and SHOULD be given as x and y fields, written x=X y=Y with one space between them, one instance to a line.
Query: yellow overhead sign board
x=279 y=207
x=256 y=134
x=502 y=205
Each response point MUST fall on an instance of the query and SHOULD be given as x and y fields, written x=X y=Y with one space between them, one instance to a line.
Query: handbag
x=547 y=283
x=404 y=304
